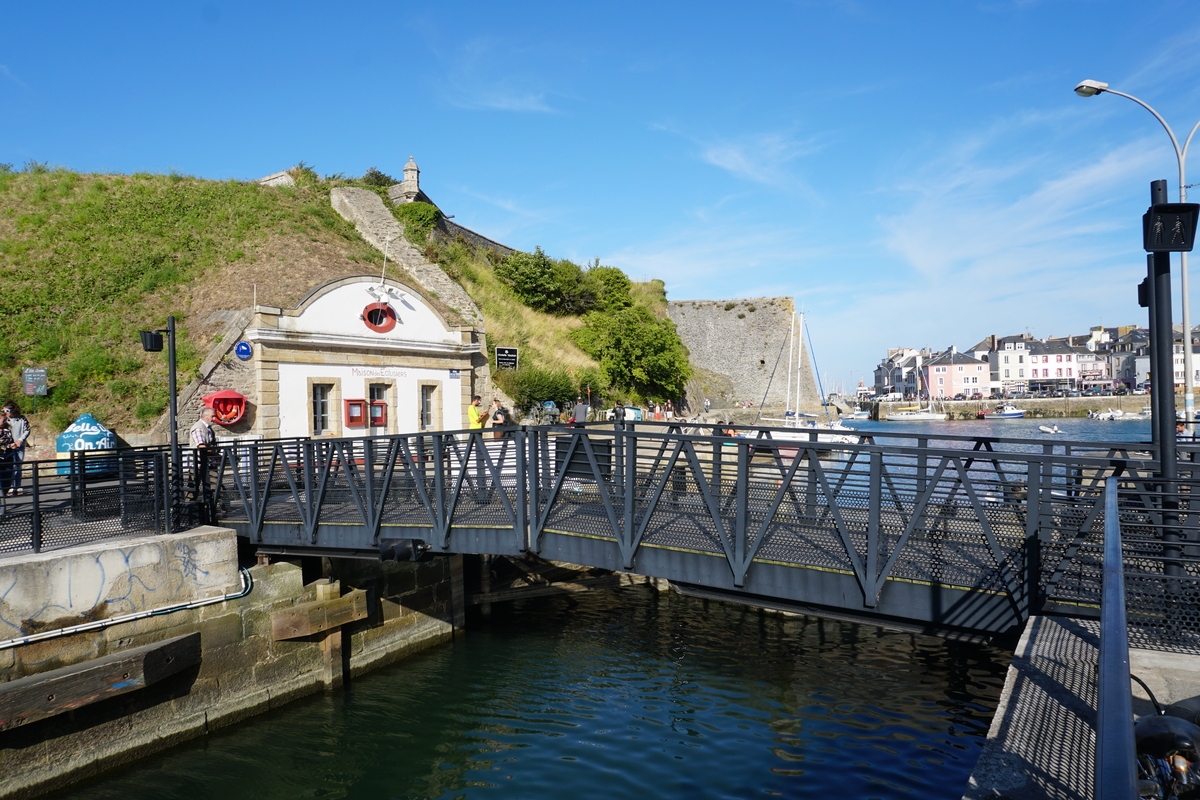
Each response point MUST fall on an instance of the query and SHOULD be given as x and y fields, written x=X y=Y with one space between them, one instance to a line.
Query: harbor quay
x=116 y=650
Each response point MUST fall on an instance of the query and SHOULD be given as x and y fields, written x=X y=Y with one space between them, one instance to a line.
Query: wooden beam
x=310 y=618
x=40 y=696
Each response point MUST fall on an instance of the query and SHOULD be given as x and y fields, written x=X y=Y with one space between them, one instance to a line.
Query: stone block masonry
x=739 y=342
x=243 y=669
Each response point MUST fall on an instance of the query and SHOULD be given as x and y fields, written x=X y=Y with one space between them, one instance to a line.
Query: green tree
x=533 y=277
x=610 y=286
x=637 y=351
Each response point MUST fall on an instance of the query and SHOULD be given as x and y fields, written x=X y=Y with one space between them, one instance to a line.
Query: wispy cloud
x=8 y=75
x=961 y=224
x=506 y=204
x=763 y=158
x=480 y=75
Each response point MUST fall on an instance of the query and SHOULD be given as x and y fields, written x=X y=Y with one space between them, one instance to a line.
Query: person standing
x=204 y=441
x=475 y=414
x=19 y=429
x=499 y=418
x=581 y=410
x=6 y=456
x=707 y=404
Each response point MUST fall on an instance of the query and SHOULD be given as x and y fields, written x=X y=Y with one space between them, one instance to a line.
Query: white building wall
x=354 y=381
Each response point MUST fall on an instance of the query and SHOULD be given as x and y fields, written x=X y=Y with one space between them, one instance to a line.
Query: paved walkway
x=1043 y=737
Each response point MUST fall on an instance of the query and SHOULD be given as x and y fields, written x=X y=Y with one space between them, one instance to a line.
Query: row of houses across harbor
x=1104 y=358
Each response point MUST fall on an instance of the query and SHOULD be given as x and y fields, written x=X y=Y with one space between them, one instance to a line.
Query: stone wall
x=243 y=669
x=736 y=344
x=378 y=226
x=449 y=229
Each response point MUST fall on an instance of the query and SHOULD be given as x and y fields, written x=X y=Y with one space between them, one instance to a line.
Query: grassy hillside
x=88 y=260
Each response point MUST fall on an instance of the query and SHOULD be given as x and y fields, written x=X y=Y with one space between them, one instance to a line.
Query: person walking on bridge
x=204 y=441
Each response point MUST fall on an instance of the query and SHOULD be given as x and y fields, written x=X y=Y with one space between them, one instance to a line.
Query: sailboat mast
x=791 y=353
x=799 y=357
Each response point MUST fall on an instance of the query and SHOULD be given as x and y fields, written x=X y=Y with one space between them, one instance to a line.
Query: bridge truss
x=945 y=533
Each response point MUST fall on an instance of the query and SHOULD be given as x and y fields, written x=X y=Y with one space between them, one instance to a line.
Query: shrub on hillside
x=610 y=287
x=530 y=386
x=418 y=220
x=533 y=278
x=373 y=177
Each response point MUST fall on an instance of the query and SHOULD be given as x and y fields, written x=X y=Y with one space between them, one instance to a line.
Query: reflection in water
x=614 y=695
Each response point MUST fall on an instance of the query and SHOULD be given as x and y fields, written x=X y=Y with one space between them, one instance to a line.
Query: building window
x=1020 y=373
x=1021 y=360
x=427 y=395
x=960 y=369
x=320 y=407
x=1058 y=373
x=1058 y=359
x=377 y=392
x=1006 y=373
x=941 y=381
x=1068 y=358
x=1006 y=359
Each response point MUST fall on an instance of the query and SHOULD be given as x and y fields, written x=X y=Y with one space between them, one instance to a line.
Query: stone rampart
x=449 y=229
x=740 y=342
x=375 y=223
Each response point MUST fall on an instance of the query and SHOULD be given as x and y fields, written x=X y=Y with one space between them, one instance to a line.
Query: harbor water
x=629 y=693
x=614 y=694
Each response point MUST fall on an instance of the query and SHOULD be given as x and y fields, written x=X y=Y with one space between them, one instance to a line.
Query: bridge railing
x=88 y=496
x=970 y=514
x=1008 y=518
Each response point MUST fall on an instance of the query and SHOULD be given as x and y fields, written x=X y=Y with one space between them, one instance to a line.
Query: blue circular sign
x=243 y=350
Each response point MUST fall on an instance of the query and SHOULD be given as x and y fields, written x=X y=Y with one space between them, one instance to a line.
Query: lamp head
x=1089 y=88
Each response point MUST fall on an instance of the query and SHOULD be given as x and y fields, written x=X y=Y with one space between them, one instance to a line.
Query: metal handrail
x=1116 y=755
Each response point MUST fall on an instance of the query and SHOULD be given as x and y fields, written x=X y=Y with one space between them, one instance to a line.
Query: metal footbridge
x=938 y=533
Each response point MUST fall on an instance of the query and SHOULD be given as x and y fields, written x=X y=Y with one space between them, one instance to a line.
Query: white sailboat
x=802 y=427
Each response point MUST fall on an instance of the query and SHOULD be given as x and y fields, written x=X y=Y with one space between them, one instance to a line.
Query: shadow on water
x=612 y=695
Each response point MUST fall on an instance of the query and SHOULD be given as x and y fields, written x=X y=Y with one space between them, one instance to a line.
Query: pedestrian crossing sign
x=1170 y=227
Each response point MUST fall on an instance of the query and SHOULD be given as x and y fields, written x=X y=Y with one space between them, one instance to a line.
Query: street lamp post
x=152 y=342
x=1089 y=89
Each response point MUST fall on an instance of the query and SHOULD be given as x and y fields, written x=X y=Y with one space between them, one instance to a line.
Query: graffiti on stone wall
x=78 y=588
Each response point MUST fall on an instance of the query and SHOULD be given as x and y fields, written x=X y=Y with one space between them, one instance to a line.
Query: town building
x=952 y=373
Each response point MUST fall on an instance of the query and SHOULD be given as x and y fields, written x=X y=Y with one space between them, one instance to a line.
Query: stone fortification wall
x=376 y=224
x=449 y=229
x=243 y=669
x=738 y=342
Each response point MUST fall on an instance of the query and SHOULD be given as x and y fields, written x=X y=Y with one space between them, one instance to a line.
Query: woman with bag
x=499 y=419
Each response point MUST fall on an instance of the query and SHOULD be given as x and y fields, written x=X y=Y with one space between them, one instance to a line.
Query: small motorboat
x=1002 y=411
x=917 y=414
x=1049 y=429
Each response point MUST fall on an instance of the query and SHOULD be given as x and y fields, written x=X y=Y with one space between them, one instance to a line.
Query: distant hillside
x=89 y=260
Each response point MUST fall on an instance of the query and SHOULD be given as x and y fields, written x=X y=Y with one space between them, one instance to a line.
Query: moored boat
x=1002 y=411
x=916 y=414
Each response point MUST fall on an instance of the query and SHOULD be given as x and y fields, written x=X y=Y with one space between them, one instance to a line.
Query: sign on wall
x=34 y=379
x=506 y=358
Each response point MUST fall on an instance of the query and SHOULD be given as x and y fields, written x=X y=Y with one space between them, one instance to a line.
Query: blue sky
x=915 y=174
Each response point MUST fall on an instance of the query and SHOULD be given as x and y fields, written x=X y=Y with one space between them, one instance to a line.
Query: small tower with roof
x=412 y=180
